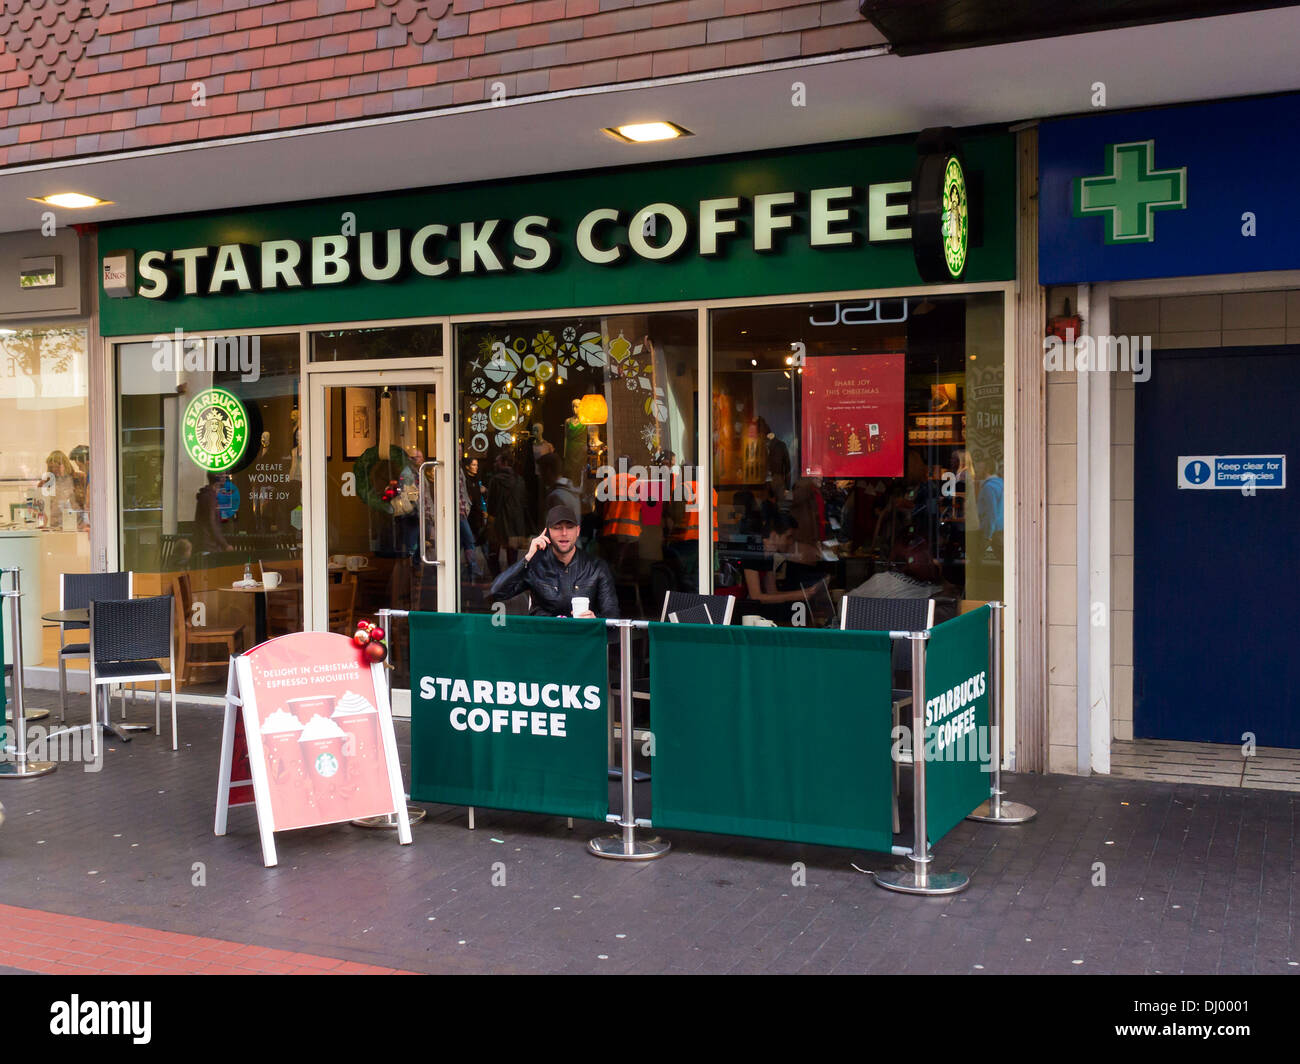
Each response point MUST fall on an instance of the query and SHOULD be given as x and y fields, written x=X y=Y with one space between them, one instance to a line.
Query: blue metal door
x=1216 y=572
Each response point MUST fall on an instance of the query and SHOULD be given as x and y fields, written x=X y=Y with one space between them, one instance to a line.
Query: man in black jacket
x=555 y=572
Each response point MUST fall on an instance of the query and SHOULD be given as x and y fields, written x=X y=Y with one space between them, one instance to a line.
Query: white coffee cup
x=339 y=559
x=271 y=579
x=581 y=604
x=356 y=562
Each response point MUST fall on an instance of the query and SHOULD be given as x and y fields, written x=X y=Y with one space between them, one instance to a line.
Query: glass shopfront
x=210 y=490
x=597 y=413
x=858 y=449
x=379 y=477
x=45 y=469
x=853 y=447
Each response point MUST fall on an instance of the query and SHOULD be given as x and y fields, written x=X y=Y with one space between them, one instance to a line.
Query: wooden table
x=259 y=606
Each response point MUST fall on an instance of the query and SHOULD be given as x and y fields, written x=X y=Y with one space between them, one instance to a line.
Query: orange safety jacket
x=690 y=526
x=623 y=511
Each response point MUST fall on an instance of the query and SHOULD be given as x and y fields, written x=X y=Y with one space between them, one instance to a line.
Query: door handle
x=423 y=499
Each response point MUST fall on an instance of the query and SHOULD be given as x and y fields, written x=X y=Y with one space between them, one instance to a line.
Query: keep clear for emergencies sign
x=1231 y=471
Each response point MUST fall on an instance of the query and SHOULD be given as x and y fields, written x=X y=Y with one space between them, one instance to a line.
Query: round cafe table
x=118 y=730
x=259 y=604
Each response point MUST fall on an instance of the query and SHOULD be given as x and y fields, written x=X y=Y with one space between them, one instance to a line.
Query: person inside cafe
x=59 y=488
x=207 y=516
x=912 y=519
x=764 y=575
x=507 y=507
x=555 y=573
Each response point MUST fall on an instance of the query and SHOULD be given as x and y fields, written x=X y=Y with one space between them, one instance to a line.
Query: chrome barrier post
x=413 y=814
x=995 y=810
x=627 y=847
x=918 y=879
x=21 y=767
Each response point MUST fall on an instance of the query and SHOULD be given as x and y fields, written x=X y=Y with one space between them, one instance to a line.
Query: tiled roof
x=84 y=77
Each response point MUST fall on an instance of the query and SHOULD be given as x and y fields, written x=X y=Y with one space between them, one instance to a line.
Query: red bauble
x=376 y=632
x=376 y=651
x=361 y=638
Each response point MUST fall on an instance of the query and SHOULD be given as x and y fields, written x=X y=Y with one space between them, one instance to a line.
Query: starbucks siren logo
x=215 y=430
x=955 y=219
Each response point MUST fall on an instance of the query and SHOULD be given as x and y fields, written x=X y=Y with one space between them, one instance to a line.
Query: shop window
x=598 y=413
x=210 y=461
x=365 y=345
x=858 y=449
x=45 y=470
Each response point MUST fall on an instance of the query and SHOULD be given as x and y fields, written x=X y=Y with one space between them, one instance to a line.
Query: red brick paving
x=55 y=944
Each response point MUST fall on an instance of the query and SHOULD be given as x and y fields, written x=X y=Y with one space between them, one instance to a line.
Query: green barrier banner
x=510 y=713
x=778 y=733
x=957 y=738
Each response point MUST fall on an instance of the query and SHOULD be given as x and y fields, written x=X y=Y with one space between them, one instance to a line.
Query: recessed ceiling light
x=71 y=200
x=644 y=132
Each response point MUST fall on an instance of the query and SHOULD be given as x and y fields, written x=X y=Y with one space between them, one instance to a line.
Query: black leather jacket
x=553 y=585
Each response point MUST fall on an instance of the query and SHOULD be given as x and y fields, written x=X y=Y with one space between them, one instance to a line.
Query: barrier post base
x=915 y=877
x=26 y=769
x=1004 y=813
x=30 y=715
x=389 y=820
x=616 y=848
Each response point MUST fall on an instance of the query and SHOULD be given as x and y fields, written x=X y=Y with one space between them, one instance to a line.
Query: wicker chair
x=860 y=613
x=76 y=592
x=126 y=639
x=719 y=606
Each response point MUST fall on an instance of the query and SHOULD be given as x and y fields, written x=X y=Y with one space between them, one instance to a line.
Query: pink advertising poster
x=853 y=416
x=319 y=738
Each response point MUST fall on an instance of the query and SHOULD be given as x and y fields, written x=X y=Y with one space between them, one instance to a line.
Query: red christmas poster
x=853 y=416
x=322 y=740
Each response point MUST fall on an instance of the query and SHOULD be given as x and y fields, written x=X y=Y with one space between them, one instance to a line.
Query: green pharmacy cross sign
x=215 y=430
x=1129 y=194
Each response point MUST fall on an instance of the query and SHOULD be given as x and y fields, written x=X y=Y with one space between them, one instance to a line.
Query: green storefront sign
x=509 y=713
x=958 y=741
x=801 y=220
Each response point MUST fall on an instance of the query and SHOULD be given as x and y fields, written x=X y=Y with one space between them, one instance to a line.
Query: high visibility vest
x=623 y=511
x=690 y=526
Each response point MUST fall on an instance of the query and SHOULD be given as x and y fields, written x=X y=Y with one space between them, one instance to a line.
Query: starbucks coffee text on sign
x=468 y=712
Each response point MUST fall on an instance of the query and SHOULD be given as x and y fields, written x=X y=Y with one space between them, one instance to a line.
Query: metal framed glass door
x=382 y=495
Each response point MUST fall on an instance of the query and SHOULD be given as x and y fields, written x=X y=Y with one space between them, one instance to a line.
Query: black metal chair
x=720 y=606
x=859 y=613
x=76 y=592
x=520 y=605
x=126 y=639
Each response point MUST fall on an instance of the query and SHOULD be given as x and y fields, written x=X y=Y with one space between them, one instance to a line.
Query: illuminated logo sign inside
x=215 y=430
